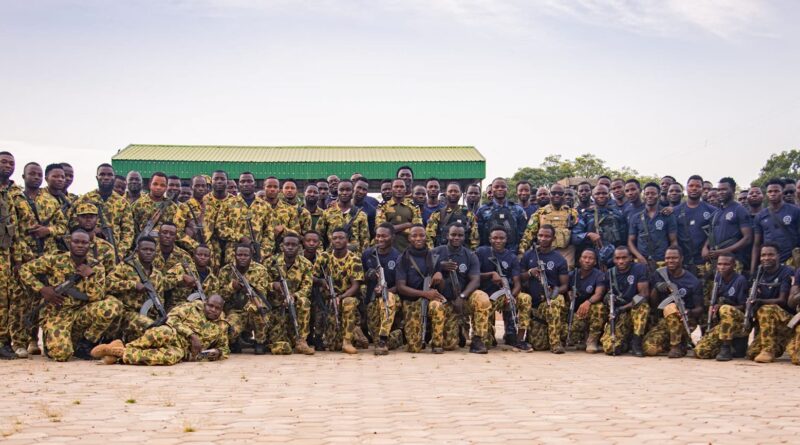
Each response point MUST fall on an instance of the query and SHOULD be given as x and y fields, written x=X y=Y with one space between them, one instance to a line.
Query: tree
x=780 y=165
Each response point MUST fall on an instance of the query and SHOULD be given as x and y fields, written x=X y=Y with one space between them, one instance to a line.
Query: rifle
x=198 y=293
x=612 y=311
x=714 y=290
x=107 y=231
x=348 y=227
x=255 y=245
x=199 y=234
x=426 y=286
x=675 y=297
x=334 y=302
x=506 y=290
x=382 y=284
x=548 y=293
x=290 y=302
x=259 y=301
x=154 y=219
x=35 y=211
x=750 y=304
x=573 y=297
x=152 y=296
x=66 y=288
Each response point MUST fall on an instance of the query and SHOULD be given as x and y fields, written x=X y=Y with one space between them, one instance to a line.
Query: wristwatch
x=462 y=296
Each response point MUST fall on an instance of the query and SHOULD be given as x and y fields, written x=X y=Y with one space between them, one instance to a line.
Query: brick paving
x=503 y=397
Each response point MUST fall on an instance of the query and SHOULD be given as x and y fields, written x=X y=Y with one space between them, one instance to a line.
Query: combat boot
x=592 y=346
x=477 y=346
x=764 y=357
x=113 y=349
x=725 y=353
x=33 y=348
x=676 y=351
x=301 y=347
x=83 y=349
x=636 y=346
x=348 y=347
x=739 y=347
x=236 y=347
x=557 y=349
x=259 y=348
x=381 y=348
x=21 y=352
x=6 y=353
x=359 y=339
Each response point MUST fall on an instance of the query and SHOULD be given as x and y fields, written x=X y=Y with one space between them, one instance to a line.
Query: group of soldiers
x=200 y=270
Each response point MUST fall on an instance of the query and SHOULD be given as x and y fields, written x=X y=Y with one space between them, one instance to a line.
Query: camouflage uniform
x=342 y=271
x=14 y=251
x=464 y=217
x=731 y=319
x=315 y=215
x=145 y=207
x=180 y=293
x=48 y=210
x=216 y=231
x=299 y=280
x=563 y=219
x=164 y=265
x=191 y=211
x=668 y=330
x=169 y=344
x=399 y=213
x=292 y=217
x=122 y=284
x=241 y=313
x=116 y=212
x=548 y=323
x=771 y=332
x=62 y=326
x=333 y=218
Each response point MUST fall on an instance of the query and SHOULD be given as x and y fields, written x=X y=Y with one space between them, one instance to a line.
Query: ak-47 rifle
x=154 y=219
x=35 y=211
x=106 y=230
x=153 y=300
x=573 y=297
x=198 y=293
x=549 y=294
x=750 y=304
x=505 y=290
x=675 y=297
x=31 y=319
x=290 y=301
x=382 y=284
x=255 y=245
x=334 y=300
x=426 y=286
x=199 y=233
x=258 y=300
x=713 y=302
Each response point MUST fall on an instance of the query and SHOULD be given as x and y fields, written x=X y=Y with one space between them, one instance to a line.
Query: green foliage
x=780 y=165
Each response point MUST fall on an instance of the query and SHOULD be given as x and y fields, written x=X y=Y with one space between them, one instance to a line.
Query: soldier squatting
x=202 y=270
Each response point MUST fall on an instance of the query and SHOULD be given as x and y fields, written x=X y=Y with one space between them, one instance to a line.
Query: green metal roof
x=302 y=162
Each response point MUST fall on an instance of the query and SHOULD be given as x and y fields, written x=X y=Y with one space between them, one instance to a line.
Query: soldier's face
x=219 y=182
x=173 y=188
x=323 y=189
x=333 y=183
x=158 y=186
x=6 y=166
x=146 y=251
x=605 y=182
x=232 y=188
x=600 y=195
x=185 y=194
x=569 y=197
x=755 y=197
x=361 y=190
x=742 y=198
x=694 y=189
x=672 y=258
x=383 y=238
x=453 y=194
x=199 y=187
x=290 y=246
x=407 y=177
x=788 y=193
x=69 y=176
x=202 y=257
x=120 y=185
x=213 y=307
x=55 y=179
x=631 y=192
x=545 y=237
x=557 y=195
x=311 y=242
x=651 y=196
x=243 y=257
x=724 y=265
x=455 y=237
x=769 y=258
x=584 y=193
x=675 y=194
x=499 y=189
x=105 y=178
x=543 y=196
x=386 y=191
x=271 y=188
x=32 y=176
x=498 y=240
x=588 y=260
x=312 y=195
x=247 y=185
x=473 y=195
x=167 y=235
x=398 y=189
x=339 y=240
x=433 y=188
x=622 y=259
x=618 y=189
x=87 y=222
x=713 y=197
x=79 y=244
x=289 y=190
x=419 y=194
x=524 y=192
x=417 y=237
x=345 y=192
x=134 y=181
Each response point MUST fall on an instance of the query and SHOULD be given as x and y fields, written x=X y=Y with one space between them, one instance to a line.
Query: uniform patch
x=682 y=292
x=731 y=292
x=391 y=264
x=729 y=216
x=589 y=289
x=630 y=279
x=787 y=220
x=462 y=268
x=706 y=215
x=550 y=265
x=659 y=225
x=504 y=264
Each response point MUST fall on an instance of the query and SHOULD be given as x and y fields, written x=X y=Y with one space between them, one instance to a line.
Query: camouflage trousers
x=446 y=323
x=794 y=346
x=667 y=332
x=380 y=324
x=347 y=322
x=632 y=322
x=524 y=303
x=591 y=324
x=731 y=324
x=6 y=297
x=22 y=304
x=280 y=332
x=62 y=328
x=129 y=326
x=161 y=345
x=547 y=324
x=772 y=334
x=412 y=322
x=247 y=320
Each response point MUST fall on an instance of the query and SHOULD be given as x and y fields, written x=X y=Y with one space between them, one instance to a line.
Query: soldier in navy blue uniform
x=499 y=212
x=587 y=285
x=612 y=230
x=778 y=224
x=650 y=231
x=727 y=335
x=381 y=317
x=731 y=229
x=694 y=219
x=772 y=311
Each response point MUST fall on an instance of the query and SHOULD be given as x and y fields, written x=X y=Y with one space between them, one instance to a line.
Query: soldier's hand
x=666 y=211
x=213 y=354
x=434 y=295
x=371 y=274
x=593 y=237
x=713 y=254
x=278 y=229
x=662 y=287
x=378 y=289
x=236 y=285
x=534 y=272
x=85 y=271
x=583 y=309
x=49 y=294
x=437 y=279
x=458 y=305
x=246 y=240
x=140 y=287
x=196 y=344
x=276 y=286
x=189 y=280
x=497 y=279
x=449 y=266
x=40 y=231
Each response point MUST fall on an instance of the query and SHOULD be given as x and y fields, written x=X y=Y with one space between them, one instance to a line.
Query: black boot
x=477 y=346
x=259 y=348
x=236 y=347
x=739 y=347
x=636 y=346
x=725 y=353
x=83 y=349
x=6 y=353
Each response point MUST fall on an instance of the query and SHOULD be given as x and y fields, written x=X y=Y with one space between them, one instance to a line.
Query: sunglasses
x=557 y=193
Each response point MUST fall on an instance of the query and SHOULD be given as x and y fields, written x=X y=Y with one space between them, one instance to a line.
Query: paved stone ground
x=503 y=397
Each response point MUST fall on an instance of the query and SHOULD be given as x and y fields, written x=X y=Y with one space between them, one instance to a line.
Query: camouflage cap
x=86 y=208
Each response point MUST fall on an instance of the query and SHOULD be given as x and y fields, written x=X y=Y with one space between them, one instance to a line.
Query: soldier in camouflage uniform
x=451 y=213
x=457 y=277
x=185 y=280
x=344 y=269
x=125 y=284
x=285 y=216
x=587 y=288
x=115 y=211
x=193 y=332
x=49 y=222
x=416 y=265
x=218 y=235
x=549 y=314
x=70 y=325
x=312 y=247
x=497 y=257
x=669 y=331
x=69 y=176
x=558 y=215
x=381 y=316
x=401 y=212
x=254 y=226
x=86 y=217
x=342 y=213
x=247 y=313
x=155 y=206
x=297 y=271
x=725 y=336
x=168 y=256
x=190 y=216
x=772 y=313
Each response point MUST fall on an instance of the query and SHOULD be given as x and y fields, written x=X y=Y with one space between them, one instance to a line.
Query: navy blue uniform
x=624 y=284
x=692 y=226
x=656 y=229
x=587 y=286
x=555 y=266
x=726 y=229
x=781 y=228
x=468 y=266
x=510 y=216
x=509 y=264
x=772 y=285
x=408 y=273
x=733 y=292
x=388 y=262
x=689 y=288
x=427 y=211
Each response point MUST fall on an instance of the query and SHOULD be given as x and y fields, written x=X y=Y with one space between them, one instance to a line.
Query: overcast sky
x=664 y=86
